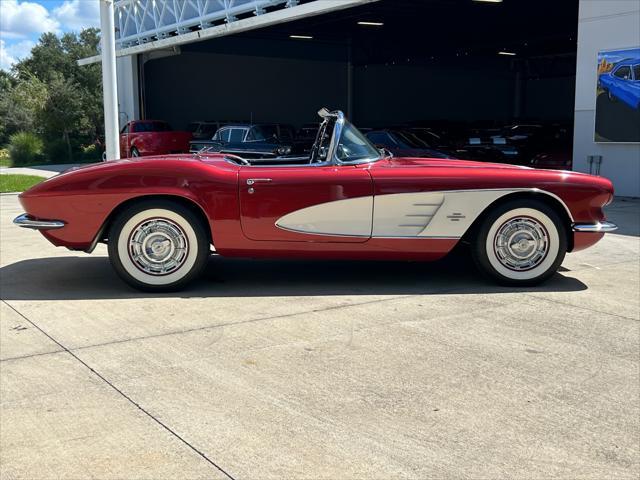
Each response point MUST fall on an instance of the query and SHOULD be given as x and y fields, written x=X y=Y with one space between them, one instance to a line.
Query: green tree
x=21 y=101
x=62 y=114
x=66 y=97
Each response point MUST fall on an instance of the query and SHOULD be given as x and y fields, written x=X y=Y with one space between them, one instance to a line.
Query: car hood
x=448 y=162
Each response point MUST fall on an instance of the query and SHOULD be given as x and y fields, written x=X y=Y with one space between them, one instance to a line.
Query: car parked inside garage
x=404 y=143
x=141 y=138
x=251 y=141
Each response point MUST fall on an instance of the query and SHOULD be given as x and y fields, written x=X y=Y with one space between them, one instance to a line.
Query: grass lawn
x=18 y=183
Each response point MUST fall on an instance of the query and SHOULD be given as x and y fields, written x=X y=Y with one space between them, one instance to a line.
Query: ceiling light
x=301 y=37
x=371 y=24
x=488 y=1
x=511 y=54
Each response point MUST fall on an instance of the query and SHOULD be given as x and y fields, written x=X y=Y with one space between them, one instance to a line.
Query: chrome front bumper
x=600 y=227
x=26 y=221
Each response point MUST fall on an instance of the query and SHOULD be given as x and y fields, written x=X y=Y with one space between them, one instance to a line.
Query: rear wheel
x=522 y=242
x=158 y=245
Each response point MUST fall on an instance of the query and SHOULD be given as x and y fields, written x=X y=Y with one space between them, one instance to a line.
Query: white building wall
x=128 y=93
x=604 y=25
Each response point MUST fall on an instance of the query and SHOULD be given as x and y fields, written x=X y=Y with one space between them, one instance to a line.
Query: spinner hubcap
x=521 y=243
x=158 y=246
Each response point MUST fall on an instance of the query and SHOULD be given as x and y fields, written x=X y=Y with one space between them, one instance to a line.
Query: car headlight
x=284 y=150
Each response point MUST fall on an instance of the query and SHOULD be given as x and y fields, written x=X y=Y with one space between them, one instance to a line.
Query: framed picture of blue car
x=618 y=96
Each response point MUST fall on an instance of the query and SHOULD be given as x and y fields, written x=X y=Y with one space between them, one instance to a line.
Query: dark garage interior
x=450 y=64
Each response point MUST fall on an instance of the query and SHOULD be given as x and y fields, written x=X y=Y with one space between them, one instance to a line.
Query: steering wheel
x=238 y=158
x=320 y=154
x=342 y=152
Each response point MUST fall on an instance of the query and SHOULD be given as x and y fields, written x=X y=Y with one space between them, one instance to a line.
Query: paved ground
x=319 y=370
x=38 y=170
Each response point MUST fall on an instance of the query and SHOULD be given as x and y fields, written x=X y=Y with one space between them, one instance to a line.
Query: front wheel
x=520 y=243
x=158 y=245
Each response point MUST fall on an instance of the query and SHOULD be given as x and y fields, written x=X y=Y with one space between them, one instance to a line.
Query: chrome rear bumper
x=26 y=221
x=600 y=227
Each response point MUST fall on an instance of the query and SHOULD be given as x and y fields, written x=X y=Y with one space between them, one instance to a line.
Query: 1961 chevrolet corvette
x=346 y=200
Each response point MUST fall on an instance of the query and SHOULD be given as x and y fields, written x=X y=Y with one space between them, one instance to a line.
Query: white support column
x=109 y=81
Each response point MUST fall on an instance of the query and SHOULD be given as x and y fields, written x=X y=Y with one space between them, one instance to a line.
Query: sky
x=614 y=56
x=23 y=21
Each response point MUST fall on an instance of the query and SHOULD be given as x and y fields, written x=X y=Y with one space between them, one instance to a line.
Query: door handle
x=253 y=181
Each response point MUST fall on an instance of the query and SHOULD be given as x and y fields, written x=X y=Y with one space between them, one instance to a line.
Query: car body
x=346 y=200
x=403 y=143
x=521 y=132
x=490 y=145
x=204 y=130
x=247 y=140
x=622 y=83
x=306 y=135
x=141 y=138
x=553 y=160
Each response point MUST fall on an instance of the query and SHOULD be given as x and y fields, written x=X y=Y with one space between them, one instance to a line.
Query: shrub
x=25 y=148
x=91 y=153
x=56 y=151
x=5 y=159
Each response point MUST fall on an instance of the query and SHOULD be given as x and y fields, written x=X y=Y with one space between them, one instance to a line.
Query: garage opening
x=465 y=69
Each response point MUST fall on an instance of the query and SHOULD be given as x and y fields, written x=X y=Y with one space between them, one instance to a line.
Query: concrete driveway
x=319 y=369
x=46 y=171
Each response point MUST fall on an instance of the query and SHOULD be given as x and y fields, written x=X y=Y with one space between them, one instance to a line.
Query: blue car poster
x=618 y=96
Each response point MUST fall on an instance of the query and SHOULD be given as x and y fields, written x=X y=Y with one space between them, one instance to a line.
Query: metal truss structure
x=143 y=21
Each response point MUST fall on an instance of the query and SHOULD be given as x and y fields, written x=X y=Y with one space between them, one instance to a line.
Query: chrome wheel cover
x=521 y=243
x=158 y=246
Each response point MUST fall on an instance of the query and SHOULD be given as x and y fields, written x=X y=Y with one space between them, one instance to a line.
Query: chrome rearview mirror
x=324 y=112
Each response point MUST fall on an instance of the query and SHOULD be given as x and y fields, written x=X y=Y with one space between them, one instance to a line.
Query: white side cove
x=351 y=217
x=446 y=214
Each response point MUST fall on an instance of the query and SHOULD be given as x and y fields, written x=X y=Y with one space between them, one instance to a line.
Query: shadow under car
x=85 y=277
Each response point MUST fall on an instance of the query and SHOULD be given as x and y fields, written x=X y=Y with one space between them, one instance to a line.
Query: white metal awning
x=145 y=25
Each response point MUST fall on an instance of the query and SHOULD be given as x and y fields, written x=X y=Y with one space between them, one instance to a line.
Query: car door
x=124 y=141
x=622 y=83
x=306 y=203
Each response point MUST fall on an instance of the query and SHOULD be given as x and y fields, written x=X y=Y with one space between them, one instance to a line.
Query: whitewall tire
x=522 y=242
x=158 y=245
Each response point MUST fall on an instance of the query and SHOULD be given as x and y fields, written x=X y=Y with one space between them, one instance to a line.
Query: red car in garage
x=345 y=200
x=142 y=138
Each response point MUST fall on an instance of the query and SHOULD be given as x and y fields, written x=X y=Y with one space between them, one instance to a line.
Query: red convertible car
x=345 y=200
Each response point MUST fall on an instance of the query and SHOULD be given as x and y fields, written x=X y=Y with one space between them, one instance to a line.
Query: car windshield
x=412 y=141
x=152 y=127
x=263 y=132
x=354 y=146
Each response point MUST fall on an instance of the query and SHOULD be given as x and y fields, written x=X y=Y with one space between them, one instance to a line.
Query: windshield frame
x=341 y=123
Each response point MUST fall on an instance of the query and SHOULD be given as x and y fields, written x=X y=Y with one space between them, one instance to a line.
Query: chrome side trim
x=600 y=227
x=26 y=221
